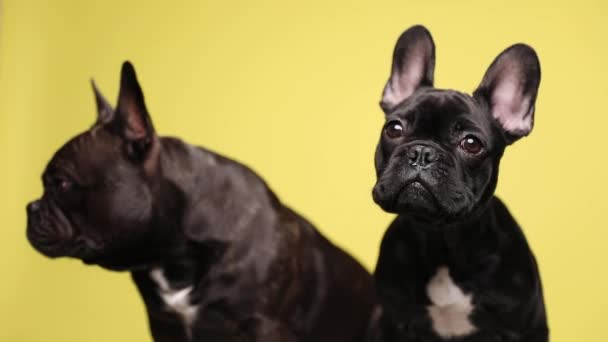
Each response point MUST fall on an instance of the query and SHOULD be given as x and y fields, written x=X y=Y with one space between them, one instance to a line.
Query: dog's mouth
x=49 y=232
x=416 y=185
x=50 y=244
x=52 y=234
x=416 y=194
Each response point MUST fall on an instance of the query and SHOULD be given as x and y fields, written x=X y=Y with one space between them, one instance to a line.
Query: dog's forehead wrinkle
x=80 y=157
x=60 y=165
x=432 y=104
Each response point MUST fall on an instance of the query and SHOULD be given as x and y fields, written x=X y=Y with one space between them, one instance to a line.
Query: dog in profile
x=213 y=252
x=454 y=265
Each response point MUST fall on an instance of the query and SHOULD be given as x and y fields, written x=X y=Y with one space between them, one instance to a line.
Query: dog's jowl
x=213 y=252
x=454 y=264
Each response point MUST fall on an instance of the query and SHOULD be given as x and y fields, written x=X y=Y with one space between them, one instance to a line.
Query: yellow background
x=291 y=89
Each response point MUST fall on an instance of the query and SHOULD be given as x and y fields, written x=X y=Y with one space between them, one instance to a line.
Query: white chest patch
x=176 y=300
x=451 y=307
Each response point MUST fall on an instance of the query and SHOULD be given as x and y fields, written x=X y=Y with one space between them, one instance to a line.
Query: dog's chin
x=70 y=249
x=421 y=202
x=54 y=246
x=107 y=264
x=51 y=251
x=415 y=198
x=124 y=260
x=412 y=198
x=120 y=266
x=50 y=241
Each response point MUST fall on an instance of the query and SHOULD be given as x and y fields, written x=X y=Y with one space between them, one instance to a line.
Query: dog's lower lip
x=417 y=184
x=418 y=187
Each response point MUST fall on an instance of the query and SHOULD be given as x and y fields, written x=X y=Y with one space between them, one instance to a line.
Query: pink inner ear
x=407 y=85
x=136 y=127
x=510 y=107
x=404 y=82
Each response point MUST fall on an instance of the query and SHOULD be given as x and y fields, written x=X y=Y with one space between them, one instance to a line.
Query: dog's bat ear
x=509 y=88
x=133 y=119
x=413 y=66
x=105 y=112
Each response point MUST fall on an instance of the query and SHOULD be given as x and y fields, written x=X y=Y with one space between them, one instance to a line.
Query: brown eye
x=471 y=144
x=65 y=185
x=394 y=130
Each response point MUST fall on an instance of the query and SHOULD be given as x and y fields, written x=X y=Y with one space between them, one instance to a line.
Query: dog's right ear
x=132 y=121
x=105 y=112
x=509 y=88
x=135 y=122
x=413 y=67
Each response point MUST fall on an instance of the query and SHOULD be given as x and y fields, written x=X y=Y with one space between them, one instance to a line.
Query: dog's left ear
x=413 y=66
x=105 y=112
x=509 y=88
x=132 y=117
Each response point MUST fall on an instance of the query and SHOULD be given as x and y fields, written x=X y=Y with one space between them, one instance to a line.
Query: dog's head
x=439 y=150
x=99 y=187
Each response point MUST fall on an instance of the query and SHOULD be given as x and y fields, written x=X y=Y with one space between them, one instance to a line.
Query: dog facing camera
x=454 y=264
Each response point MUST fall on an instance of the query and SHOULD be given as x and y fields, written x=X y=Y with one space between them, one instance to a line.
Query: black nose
x=33 y=207
x=422 y=155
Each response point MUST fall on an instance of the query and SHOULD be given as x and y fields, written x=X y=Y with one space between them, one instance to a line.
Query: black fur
x=123 y=198
x=432 y=174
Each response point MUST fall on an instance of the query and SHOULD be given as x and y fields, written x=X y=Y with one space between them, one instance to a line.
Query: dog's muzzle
x=48 y=230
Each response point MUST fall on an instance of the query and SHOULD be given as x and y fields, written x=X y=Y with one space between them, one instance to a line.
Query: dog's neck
x=456 y=242
x=205 y=203
x=475 y=220
x=175 y=183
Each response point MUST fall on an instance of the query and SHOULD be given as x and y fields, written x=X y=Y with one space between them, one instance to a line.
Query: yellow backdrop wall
x=291 y=89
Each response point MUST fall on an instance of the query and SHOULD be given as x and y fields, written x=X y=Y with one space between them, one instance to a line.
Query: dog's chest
x=175 y=300
x=451 y=307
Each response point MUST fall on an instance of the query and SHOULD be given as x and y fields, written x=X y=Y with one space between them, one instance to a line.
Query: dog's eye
x=64 y=185
x=471 y=144
x=394 y=130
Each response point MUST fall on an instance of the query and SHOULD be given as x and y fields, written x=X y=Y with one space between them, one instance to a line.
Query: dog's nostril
x=430 y=155
x=412 y=154
x=422 y=155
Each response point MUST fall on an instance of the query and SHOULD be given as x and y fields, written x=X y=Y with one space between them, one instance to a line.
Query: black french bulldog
x=454 y=264
x=213 y=252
